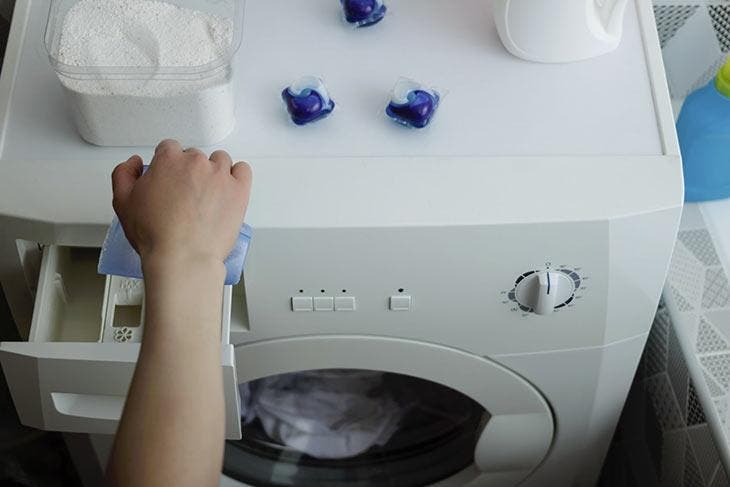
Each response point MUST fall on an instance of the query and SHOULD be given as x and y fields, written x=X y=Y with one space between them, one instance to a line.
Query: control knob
x=543 y=291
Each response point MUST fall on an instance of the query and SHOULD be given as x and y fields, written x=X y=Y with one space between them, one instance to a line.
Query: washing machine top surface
x=506 y=133
x=493 y=104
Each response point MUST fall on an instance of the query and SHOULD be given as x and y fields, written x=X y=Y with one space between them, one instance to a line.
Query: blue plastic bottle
x=703 y=128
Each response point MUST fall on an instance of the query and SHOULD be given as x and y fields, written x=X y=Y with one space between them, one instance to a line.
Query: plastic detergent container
x=138 y=71
x=703 y=128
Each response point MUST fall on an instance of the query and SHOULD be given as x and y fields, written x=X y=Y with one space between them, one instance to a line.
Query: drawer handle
x=94 y=406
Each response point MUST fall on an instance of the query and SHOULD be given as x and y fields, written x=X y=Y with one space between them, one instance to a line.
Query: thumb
x=123 y=178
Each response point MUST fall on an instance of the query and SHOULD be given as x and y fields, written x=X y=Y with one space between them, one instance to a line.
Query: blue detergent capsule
x=307 y=100
x=364 y=13
x=412 y=104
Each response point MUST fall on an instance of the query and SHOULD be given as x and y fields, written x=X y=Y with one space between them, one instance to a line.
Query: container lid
x=722 y=82
x=120 y=22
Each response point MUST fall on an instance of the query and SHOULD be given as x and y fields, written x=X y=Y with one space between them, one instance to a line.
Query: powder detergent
x=138 y=71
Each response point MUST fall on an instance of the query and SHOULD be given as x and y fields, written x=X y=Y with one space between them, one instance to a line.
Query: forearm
x=176 y=396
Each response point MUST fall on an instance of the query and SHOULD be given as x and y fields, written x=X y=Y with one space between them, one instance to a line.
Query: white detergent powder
x=138 y=71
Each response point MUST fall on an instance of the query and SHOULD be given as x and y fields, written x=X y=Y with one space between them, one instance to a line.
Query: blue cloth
x=703 y=128
x=118 y=258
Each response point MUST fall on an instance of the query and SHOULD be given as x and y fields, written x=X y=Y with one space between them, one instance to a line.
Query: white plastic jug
x=555 y=31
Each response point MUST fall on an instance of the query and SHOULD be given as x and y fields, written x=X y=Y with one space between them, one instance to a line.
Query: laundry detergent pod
x=363 y=13
x=307 y=100
x=412 y=104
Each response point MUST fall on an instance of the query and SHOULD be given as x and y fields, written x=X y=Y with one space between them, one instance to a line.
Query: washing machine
x=492 y=277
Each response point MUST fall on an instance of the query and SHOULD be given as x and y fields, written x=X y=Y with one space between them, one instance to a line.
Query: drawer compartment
x=67 y=377
x=69 y=297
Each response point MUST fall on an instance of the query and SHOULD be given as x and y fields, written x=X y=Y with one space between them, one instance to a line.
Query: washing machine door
x=489 y=426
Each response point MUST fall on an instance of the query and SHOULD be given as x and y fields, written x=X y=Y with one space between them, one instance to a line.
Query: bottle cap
x=722 y=82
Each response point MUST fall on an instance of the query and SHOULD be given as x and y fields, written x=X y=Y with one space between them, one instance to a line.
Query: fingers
x=168 y=146
x=123 y=178
x=221 y=158
x=242 y=172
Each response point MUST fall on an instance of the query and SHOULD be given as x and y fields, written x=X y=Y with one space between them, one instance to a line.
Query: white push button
x=301 y=303
x=400 y=303
x=324 y=303
x=345 y=303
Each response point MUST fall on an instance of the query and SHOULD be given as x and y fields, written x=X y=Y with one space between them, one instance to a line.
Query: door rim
x=516 y=403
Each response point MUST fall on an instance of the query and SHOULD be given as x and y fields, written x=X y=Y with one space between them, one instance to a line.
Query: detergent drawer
x=69 y=376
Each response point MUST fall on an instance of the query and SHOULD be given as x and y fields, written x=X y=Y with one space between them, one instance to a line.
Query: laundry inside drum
x=362 y=428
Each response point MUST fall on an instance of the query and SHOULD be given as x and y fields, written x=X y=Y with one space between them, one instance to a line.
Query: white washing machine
x=501 y=267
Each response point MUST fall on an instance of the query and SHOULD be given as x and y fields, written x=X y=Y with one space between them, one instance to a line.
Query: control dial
x=543 y=291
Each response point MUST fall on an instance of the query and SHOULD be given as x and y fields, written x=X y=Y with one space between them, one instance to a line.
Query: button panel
x=397 y=302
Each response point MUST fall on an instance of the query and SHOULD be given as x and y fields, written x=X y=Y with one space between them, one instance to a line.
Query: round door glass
x=352 y=427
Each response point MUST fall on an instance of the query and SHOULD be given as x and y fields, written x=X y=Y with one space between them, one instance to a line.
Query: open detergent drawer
x=74 y=371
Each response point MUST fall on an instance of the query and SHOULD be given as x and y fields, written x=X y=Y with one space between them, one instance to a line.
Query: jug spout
x=555 y=31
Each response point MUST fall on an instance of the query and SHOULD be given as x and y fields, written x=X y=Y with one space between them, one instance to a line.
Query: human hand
x=186 y=206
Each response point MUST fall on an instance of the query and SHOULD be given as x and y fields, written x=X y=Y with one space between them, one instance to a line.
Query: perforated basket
x=695 y=41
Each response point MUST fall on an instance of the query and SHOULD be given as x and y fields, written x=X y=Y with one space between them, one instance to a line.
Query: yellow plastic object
x=722 y=82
